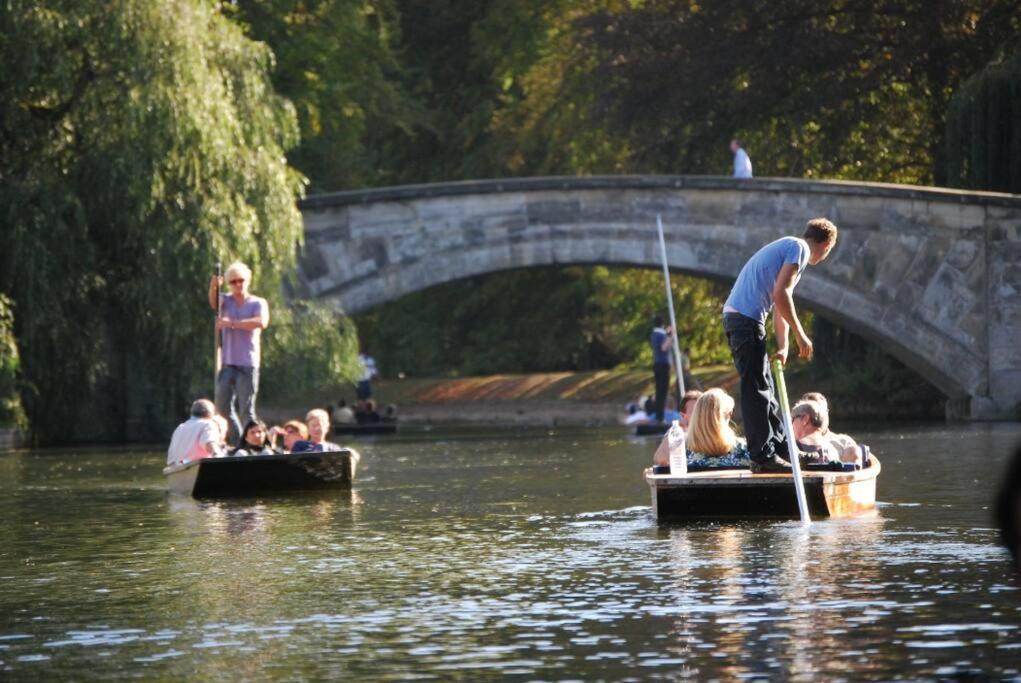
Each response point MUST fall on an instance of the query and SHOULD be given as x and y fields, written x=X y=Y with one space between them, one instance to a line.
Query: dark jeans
x=763 y=426
x=363 y=390
x=661 y=372
x=236 y=389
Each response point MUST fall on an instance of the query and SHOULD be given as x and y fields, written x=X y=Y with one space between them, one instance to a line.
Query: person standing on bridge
x=742 y=162
x=241 y=318
x=767 y=280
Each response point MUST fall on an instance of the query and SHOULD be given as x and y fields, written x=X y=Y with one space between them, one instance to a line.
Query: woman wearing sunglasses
x=241 y=318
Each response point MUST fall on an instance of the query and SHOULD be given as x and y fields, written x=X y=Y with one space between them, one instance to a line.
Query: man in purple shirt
x=241 y=318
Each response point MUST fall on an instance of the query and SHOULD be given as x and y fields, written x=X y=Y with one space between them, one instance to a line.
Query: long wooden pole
x=792 y=444
x=218 y=355
x=670 y=306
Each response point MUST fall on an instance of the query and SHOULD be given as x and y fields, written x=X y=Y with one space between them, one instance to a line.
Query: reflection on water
x=531 y=554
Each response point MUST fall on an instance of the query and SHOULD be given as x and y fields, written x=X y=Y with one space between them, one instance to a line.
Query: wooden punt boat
x=722 y=493
x=651 y=428
x=249 y=475
x=371 y=429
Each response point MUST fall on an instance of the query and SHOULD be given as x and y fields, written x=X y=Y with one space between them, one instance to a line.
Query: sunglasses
x=291 y=430
x=237 y=281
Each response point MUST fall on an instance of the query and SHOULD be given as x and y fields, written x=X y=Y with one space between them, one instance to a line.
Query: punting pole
x=218 y=355
x=670 y=307
x=792 y=444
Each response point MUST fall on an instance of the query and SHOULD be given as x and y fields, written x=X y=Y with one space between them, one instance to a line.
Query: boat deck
x=739 y=493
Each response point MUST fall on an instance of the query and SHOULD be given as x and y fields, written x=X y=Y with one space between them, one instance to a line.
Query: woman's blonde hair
x=710 y=432
x=238 y=269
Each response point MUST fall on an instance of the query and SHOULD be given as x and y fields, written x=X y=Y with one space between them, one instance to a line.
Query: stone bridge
x=931 y=275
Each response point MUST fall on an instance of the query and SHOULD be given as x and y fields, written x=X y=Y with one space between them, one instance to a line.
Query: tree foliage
x=984 y=130
x=817 y=89
x=11 y=412
x=538 y=320
x=336 y=61
x=141 y=140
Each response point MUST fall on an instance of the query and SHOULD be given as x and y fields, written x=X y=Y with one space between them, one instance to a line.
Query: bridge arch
x=931 y=275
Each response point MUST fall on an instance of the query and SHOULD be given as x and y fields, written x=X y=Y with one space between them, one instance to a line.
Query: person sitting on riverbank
x=255 y=440
x=196 y=438
x=711 y=442
x=318 y=429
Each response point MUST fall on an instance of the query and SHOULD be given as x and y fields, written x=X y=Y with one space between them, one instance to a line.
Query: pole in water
x=670 y=307
x=792 y=444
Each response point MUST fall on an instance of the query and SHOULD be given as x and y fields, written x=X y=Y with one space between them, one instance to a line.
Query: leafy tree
x=984 y=130
x=11 y=412
x=540 y=320
x=336 y=61
x=817 y=89
x=141 y=140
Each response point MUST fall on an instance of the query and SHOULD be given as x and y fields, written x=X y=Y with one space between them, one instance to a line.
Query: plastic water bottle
x=678 y=452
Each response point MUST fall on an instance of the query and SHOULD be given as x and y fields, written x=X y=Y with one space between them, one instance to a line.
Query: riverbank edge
x=582 y=399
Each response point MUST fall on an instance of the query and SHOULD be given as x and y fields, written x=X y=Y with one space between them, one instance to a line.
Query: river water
x=528 y=555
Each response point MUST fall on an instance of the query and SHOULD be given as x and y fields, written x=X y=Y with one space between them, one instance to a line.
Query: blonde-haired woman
x=711 y=441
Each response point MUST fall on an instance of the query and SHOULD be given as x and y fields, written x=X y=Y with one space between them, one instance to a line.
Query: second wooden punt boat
x=651 y=428
x=367 y=429
x=723 y=493
x=249 y=475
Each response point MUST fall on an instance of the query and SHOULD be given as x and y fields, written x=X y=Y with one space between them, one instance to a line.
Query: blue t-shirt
x=659 y=356
x=752 y=295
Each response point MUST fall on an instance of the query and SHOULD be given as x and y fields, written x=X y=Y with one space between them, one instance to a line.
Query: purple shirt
x=241 y=347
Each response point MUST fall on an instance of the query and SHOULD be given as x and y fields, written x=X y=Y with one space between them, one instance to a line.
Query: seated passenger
x=688 y=405
x=254 y=440
x=224 y=426
x=811 y=422
x=636 y=415
x=370 y=416
x=318 y=428
x=841 y=441
x=711 y=442
x=390 y=413
x=343 y=415
x=292 y=431
x=196 y=438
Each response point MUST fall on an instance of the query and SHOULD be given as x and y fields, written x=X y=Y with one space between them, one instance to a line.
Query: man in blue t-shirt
x=768 y=279
x=660 y=340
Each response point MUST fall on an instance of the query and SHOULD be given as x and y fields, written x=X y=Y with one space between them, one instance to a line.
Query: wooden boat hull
x=740 y=494
x=366 y=429
x=651 y=429
x=250 y=475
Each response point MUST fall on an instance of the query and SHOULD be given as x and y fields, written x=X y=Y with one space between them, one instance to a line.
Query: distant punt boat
x=249 y=475
x=651 y=428
x=367 y=429
x=723 y=493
